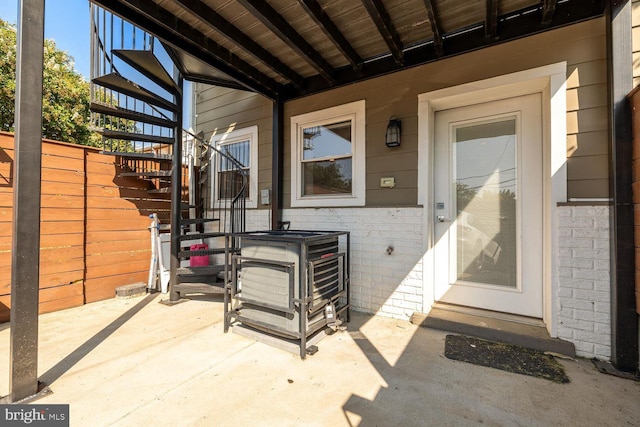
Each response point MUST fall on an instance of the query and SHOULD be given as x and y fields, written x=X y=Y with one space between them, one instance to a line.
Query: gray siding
x=220 y=110
x=583 y=46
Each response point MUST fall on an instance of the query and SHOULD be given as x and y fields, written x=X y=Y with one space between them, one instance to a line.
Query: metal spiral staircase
x=136 y=106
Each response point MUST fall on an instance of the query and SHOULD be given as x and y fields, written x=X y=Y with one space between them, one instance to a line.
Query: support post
x=277 y=164
x=624 y=326
x=25 y=253
x=176 y=197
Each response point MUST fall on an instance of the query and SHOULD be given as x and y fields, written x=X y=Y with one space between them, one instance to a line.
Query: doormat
x=506 y=357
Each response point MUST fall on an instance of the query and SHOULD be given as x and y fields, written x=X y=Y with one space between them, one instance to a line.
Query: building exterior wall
x=635 y=34
x=582 y=46
x=584 y=291
x=383 y=283
x=392 y=285
x=388 y=284
x=220 y=110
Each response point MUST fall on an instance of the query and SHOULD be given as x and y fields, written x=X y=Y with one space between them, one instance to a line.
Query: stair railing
x=109 y=32
x=226 y=192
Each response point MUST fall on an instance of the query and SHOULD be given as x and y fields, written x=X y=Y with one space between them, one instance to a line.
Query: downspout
x=176 y=196
x=277 y=164
x=624 y=320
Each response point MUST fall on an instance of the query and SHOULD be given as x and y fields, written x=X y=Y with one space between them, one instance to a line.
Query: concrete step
x=494 y=327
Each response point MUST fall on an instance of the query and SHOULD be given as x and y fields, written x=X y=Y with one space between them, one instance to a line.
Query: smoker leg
x=226 y=308
x=303 y=331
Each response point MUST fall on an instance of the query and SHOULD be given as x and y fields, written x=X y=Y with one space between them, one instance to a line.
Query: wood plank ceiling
x=290 y=48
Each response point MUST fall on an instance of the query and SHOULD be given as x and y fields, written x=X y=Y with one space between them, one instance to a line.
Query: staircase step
x=199 y=288
x=200 y=236
x=163 y=190
x=129 y=136
x=138 y=155
x=211 y=270
x=200 y=278
x=200 y=252
x=150 y=174
x=148 y=64
x=127 y=114
x=118 y=83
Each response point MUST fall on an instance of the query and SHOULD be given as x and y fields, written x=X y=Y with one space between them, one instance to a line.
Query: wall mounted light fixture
x=393 y=133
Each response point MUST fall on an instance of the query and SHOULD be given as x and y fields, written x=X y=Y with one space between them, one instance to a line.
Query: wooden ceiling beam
x=515 y=26
x=548 y=9
x=156 y=20
x=216 y=22
x=322 y=20
x=435 y=25
x=271 y=19
x=382 y=21
x=196 y=78
x=491 y=20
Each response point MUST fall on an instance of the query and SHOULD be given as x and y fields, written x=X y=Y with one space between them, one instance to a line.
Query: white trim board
x=550 y=81
x=250 y=134
x=354 y=111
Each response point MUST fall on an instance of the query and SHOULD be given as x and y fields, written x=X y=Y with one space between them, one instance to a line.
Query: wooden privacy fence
x=94 y=224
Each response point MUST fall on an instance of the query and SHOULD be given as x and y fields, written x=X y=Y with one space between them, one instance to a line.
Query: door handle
x=441 y=218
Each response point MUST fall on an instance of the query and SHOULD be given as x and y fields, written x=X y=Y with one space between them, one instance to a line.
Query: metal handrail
x=231 y=210
x=237 y=201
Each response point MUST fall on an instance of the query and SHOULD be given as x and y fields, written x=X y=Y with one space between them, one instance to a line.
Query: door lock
x=441 y=218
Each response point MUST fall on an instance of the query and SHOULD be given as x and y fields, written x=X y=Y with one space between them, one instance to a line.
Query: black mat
x=506 y=357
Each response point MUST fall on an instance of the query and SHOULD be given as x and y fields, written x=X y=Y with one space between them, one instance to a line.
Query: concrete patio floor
x=135 y=362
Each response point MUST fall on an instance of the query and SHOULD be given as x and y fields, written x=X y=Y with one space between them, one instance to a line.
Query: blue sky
x=65 y=21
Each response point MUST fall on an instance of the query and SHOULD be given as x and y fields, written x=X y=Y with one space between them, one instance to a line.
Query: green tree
x=65 y=98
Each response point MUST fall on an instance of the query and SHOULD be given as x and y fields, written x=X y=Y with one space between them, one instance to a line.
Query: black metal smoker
x=291 y=284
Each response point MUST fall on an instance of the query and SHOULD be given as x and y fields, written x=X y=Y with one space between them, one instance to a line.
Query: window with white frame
x=328 y=157
x=240 y=149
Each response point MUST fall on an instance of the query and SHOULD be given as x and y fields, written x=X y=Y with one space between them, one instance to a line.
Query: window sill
x=326 y=202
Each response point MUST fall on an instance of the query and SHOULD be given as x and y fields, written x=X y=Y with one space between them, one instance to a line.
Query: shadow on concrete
x=422 y=387
x=78 y=354
x=419 y=386
x=390 y=404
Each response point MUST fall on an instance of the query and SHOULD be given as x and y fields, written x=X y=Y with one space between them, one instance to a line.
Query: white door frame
x=550 y=81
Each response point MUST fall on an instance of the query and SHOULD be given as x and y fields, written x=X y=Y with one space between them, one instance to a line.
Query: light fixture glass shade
x=393 y=133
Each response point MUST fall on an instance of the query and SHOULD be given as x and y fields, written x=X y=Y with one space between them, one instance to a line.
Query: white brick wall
x=392 y=285
x=389 y=285
x=584 y=315
x=258 y=219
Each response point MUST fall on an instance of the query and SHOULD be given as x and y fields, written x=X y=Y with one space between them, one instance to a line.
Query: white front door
x=488 y=196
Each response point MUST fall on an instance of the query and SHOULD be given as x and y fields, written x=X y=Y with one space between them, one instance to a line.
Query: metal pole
x=624 y=320
x=25 y=253
x=176 y=198
x=277 y=163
